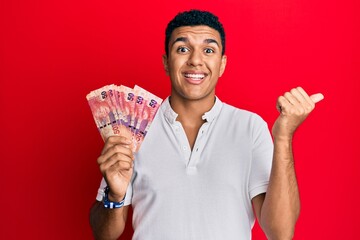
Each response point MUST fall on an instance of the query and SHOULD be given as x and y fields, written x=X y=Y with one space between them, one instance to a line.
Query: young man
x=205 y=169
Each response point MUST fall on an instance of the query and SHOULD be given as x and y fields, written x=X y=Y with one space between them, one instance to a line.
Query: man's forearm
x=107 y=224
x=281 y=206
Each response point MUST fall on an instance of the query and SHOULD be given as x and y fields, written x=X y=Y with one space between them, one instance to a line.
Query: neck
x=190 y=112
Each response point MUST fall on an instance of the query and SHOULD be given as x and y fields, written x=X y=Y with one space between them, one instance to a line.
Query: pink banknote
x=103 y=112
x=152 y=105
x=140 y=103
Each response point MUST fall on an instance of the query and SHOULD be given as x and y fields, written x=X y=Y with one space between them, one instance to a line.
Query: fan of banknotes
x=123 y=110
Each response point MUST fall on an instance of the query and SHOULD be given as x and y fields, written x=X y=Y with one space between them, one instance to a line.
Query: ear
x=165 y=63
x=223 y=65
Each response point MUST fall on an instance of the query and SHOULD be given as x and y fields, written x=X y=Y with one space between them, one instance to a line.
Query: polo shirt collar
x=209 y=116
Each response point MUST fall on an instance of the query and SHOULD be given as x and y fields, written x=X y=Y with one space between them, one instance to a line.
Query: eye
x=182 y=49
x=209 y=50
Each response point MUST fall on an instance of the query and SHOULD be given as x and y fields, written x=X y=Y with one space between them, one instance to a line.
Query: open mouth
x=195 y=76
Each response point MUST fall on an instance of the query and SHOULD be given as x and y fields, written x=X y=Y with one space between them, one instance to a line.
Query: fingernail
x=319 y=97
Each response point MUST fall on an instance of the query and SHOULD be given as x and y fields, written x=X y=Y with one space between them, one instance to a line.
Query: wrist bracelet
x=109 y=204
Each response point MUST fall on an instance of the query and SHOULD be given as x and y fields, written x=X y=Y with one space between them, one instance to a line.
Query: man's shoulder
x=235 y=112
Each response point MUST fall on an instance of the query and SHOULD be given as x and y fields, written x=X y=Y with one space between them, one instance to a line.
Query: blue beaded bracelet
x=108 y=204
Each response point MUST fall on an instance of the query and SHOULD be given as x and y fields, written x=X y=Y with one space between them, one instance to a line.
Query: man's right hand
x=116 y=165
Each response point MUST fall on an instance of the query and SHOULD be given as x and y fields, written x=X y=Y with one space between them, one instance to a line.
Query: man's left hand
x=294 y=107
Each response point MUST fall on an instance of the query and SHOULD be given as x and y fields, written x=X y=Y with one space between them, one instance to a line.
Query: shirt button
x=184 y=148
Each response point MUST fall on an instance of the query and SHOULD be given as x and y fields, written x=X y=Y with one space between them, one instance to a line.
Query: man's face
x=195 y=62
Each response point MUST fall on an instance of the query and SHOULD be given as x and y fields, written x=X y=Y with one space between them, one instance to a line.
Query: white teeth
x=197 y=76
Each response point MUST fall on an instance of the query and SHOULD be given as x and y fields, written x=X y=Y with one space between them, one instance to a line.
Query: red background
x=52 y=53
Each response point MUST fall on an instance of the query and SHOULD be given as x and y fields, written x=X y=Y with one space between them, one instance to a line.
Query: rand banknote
x=102 y=110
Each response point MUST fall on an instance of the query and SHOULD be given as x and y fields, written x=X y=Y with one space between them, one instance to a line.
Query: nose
x=195 y=59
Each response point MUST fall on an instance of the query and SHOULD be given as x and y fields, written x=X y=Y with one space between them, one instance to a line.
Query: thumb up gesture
x=294 y=107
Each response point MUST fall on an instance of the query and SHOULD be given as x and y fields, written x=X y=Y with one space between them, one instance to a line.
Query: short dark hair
x=194 y=18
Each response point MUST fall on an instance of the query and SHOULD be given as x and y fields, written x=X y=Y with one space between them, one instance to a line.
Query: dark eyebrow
x=210 y=40
x=186 y=40
x=181 y=39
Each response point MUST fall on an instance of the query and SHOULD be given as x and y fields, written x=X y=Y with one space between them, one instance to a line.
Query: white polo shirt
x=204 y=194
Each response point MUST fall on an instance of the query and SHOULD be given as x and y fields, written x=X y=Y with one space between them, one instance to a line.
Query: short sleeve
x=100 y=193
x=262 y=154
